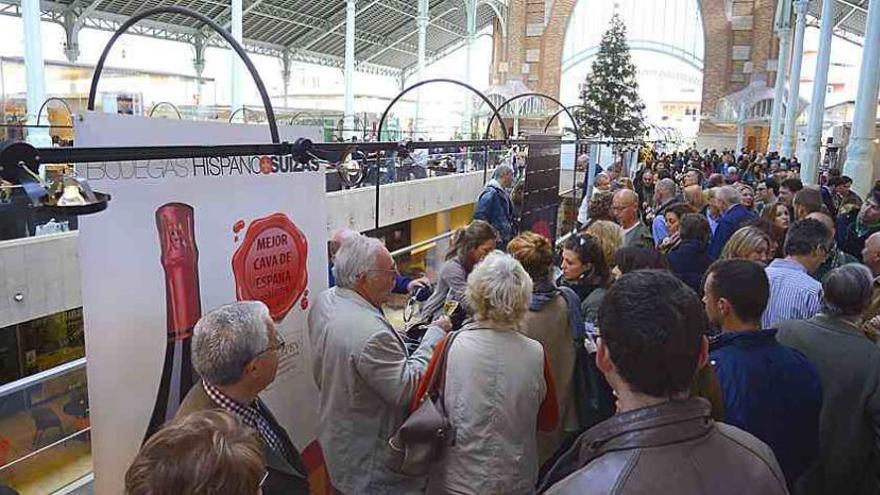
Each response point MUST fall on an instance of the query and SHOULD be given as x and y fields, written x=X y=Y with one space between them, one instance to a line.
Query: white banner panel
x=179 y=238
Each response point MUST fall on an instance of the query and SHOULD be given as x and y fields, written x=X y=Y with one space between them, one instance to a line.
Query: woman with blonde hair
x=610 y=238
x=748 y=243
x=499 y=389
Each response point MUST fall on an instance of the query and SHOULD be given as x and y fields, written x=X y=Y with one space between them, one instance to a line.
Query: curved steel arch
x=574 y=122
x=553 y=117
x=168 y=103
x=53 y=98
x=501 y=19
x=267 y=103
x=452 y=81
x=244 y=110
x=638 y=45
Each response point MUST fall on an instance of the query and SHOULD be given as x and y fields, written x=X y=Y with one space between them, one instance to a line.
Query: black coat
x=689 y=261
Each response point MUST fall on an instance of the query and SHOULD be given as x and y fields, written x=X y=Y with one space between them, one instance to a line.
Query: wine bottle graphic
x=180 y=259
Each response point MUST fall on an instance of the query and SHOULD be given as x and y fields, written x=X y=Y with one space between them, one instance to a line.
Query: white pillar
x=422 y=22
x=778 y=115
x=789 y=137
x=467 y=117
x=235 y=101
x=810 y=160
x=285 y=76
x=467 y=124
x=741 y=127
x=35 y=76
x=860 y=152
x=348 y=115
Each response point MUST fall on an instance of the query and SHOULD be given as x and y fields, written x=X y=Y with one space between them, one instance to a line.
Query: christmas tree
x=611 y=107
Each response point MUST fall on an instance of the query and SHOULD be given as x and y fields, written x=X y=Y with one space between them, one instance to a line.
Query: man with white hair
x=495 y=206
x=365 y=376
x=402 y=284
x=733 y=215
x=236 y=349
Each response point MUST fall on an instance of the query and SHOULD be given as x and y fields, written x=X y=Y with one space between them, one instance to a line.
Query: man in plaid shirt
x=235 y=349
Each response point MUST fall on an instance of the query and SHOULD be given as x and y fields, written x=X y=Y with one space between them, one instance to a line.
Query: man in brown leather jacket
x=661 y=441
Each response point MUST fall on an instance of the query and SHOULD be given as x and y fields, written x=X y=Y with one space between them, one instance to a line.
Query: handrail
x=46 y=447
x=420 y=244
x=29 y=381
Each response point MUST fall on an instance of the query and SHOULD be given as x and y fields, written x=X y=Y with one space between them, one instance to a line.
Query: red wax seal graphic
x=270 y=265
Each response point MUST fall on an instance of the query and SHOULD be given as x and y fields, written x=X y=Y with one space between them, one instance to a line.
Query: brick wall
x=737 y=48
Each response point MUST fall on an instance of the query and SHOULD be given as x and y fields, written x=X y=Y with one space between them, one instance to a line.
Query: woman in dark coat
x=690 y=260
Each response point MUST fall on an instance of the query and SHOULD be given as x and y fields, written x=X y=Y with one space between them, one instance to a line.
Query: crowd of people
x=711 y=328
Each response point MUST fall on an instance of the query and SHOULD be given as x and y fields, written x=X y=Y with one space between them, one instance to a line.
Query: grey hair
x=356 y=257
x=729 y=195
x=499 y=289
x=667 y=185
x=501 y=169
x=848 y=290
x=227 y=338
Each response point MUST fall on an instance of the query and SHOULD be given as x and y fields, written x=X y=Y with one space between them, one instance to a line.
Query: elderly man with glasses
x=236 y=349
x=364 y=374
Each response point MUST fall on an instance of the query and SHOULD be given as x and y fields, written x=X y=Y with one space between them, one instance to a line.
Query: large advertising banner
x=179 y=238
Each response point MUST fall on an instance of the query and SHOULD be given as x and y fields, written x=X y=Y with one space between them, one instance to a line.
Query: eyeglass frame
x=277 y=347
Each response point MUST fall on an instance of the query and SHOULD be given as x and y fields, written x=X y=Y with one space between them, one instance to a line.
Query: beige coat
x=495 y=387
x=550 y=327
x=366 y=381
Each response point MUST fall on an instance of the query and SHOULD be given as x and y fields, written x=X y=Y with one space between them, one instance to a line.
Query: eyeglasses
x=392 y=270
x=279 y=346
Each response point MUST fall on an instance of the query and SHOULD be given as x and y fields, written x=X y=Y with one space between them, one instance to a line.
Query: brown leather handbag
x=423 y=437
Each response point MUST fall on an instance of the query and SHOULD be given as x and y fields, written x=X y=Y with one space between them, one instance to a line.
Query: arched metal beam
x=451 y=81
x=502 y=20
x=243 y=111
x=506 y=102
x=638 y=45
x=552 y=118
x=52 y=98
x=236 y=46
x=167 y=103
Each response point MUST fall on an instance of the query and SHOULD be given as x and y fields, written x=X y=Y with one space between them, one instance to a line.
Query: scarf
x=542 y=293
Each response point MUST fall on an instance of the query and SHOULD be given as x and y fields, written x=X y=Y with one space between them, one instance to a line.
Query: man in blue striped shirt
x=794 y=294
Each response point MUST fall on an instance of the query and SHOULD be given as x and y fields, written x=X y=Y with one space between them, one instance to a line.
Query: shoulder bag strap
x=438 y=380
x=575 y=318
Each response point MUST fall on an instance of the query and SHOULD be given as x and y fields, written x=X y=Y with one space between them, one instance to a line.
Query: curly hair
x=499 y=289
x=534 y=252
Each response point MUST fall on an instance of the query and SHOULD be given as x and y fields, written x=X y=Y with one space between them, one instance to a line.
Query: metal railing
x=41 y=377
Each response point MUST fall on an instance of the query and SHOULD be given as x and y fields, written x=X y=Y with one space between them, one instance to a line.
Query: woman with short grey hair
x=849 y=367
x=498 y=388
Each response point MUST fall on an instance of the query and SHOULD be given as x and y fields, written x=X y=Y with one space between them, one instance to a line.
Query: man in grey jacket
x=365 y=377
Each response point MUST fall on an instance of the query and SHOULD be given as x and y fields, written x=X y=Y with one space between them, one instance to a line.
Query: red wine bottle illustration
x=180 y=260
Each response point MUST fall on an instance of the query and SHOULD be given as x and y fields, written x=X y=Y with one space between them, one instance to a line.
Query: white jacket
x=366 y=381
x=494 y=389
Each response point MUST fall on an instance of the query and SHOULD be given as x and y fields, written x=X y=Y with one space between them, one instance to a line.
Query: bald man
x=625 y=208
x=836 y=257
